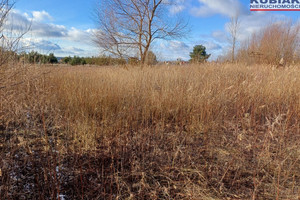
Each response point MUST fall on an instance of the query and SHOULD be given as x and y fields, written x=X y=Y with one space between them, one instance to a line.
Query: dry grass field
x=207 y=132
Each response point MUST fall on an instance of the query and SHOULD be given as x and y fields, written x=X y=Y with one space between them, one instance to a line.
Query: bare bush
x=275 y=42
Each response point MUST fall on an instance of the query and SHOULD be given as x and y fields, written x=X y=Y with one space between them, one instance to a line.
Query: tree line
x=108 y=60
x=101 y=60
x=198 y=55
x=34 y=57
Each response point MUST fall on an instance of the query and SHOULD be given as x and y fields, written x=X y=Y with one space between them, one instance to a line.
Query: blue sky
x=64 y=27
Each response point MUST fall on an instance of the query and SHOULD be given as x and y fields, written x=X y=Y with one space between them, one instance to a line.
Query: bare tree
x=233 y=27
x=9 y=36
x=128 y=26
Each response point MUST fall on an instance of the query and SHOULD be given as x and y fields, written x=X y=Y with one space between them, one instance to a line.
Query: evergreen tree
x=199 y=54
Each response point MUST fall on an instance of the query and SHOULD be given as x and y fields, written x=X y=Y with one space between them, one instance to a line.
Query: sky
x=65 y=27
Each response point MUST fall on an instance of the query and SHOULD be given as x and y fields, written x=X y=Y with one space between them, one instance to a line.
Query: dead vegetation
x=277 y=44
x=193 y=132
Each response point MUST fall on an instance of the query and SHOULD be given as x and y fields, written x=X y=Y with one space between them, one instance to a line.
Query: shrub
x=150 y=58
x=277 y=41
x=133 y=61
x=104 y=61
x=66 y=60
x=77 y=61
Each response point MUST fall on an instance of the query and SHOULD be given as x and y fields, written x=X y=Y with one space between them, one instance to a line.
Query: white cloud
x=83 y=51
x=210 y=7
x=177 y=45
x=171 y=50
x=254 y=22
x=177 y=6
x=48 y=30
x=212 y=46
x=219 y=36
x=78 y=35
x=18 y=21
x=48 y=37
x=41 y=16
x=176 y=9
x=57 y=47
x=39 y=44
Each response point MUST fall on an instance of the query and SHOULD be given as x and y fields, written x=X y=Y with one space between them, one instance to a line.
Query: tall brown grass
x=169 y=132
